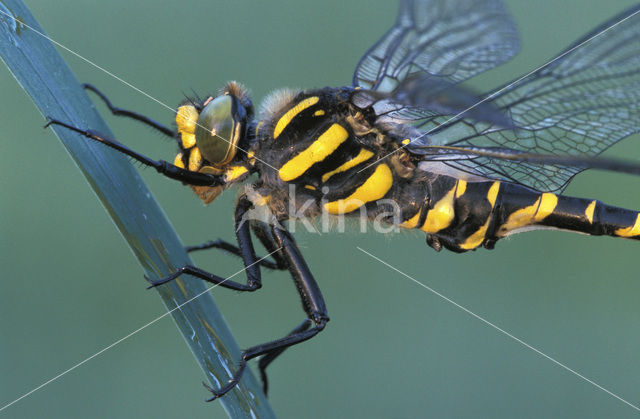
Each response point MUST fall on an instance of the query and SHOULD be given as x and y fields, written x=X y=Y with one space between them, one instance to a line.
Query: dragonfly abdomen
x=461 y=216
x=457 y=214
x=593 y=217
x=523 y=209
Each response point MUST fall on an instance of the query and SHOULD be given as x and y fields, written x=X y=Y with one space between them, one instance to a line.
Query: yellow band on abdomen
x=630 y=231
x=534 y=213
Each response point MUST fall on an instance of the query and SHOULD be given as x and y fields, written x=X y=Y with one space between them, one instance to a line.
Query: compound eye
x=217 y=133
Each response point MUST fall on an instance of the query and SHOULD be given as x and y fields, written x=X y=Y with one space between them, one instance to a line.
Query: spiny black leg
x=217 y=244
x=165 y=168
x=312 y=302
x=130 y=114
x=310 y=294
x=268 y=358
x=286 y=253
x=265 y=348
x=205 y=276
x=245 y=250
x=232 y=249
x=263 y=233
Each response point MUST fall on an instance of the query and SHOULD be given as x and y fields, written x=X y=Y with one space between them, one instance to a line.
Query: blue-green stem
x=40 y=70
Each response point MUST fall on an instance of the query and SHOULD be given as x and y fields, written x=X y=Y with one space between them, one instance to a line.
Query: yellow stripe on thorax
x=260 y=124
x=634 y=230
x=534 y=213
x=326 y=144
x=478 y=237
x=375 y=187
x=363 y=155
x=291 y=113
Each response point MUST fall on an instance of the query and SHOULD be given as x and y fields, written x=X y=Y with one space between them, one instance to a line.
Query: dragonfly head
x=211 y=134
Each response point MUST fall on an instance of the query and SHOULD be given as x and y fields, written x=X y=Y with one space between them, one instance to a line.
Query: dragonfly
x=464 y=170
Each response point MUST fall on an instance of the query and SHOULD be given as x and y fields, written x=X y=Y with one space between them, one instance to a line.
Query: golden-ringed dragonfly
x=464 y=169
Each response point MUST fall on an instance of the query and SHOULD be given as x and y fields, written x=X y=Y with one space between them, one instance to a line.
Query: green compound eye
x=217 y=133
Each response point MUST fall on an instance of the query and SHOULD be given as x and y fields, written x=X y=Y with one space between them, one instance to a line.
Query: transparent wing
x=582 y=103
x=450 y=39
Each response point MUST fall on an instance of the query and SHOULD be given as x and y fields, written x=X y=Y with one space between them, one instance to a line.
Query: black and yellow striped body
x=328 y=152
x=313 y=144
x=406 y=147
x=461 y=215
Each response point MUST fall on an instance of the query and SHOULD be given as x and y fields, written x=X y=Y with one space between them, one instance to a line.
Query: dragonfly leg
x=245 y=250
x=163 y=167
x=260 y=231
x=312 y=303
x=130 y=114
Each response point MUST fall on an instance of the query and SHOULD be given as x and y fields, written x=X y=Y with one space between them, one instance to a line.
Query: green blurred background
x=70 y=286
